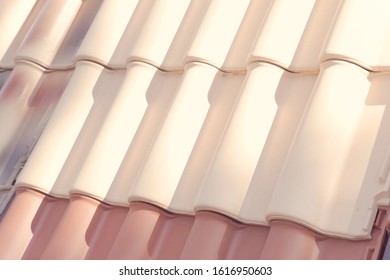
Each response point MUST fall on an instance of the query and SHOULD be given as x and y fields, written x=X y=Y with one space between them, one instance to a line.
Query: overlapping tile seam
x=354 y=65
x=46 y=69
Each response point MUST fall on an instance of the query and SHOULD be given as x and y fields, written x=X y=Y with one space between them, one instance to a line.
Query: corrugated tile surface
x=213 y=129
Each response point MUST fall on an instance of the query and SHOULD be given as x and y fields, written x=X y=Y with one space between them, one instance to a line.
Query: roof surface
x=178 y=129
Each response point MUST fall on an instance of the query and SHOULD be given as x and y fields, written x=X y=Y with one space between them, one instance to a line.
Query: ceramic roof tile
x=115 y=134
x=65 y=56
x=330 y=174
x=52 y=150
x=159 y=96
x=15 y=12
x=216 y=39
x=270 y=94
x=222 y=97
x=161 y=235
x=72 y=228
x=360 y=26
x=151 y=32
x=28 y=99
x=31 y=220
x=194 y=129
x=107 y=30
x=7 y=60
x=157 y=181
x=294 y=40
x=45 y=36
x=242 y=142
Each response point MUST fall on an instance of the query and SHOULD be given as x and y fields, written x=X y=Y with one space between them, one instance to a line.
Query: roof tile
x=46 y=34
x=50 y=153
x=326 y=168
x=244 y=141
x=151 y=32
x=360 y=26
x=12 y=16
x=294 y=40
x=194 y=129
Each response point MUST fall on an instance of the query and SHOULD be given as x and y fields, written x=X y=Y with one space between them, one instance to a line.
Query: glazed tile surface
x=170 y=129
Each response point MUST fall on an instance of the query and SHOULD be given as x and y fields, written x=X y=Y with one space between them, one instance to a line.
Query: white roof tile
x=12 y=16
x=292 y=95
x=50 y=153
x=106 y=31
x=242 y=142
x=16 y=12
x=71 y=42
x=360 y=34
x=48 y=30
x=159 y=96
x=325 y=169
x=161 y=172
x=222 y=98
x=294 y=40
x=245 y=144
x=259 y=110
x=151 y=31
x=109 y=145
x=217 y=32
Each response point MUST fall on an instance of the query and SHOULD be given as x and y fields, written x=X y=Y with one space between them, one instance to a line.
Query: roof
x=194 y=129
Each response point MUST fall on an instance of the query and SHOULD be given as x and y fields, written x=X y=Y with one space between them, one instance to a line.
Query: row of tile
x=188 y=142
x=40 y=227
x=226 y=34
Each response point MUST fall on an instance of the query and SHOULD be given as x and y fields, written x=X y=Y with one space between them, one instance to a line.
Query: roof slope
x=194 y=129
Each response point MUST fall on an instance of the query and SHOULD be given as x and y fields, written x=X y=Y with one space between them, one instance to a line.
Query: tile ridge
x=276 y=63
x=371 y=69
x=46 y=68
x=321 y=231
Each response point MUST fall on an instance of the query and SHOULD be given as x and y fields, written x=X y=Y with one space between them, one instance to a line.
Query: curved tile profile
x=242 y=142
x=103 y=230
x=65 y=56
x=217 y=31
x=28 y=98
x=50 y=153
x=293 y=40
x=32 y=218
x=350 y=37
x=325 y=169
x=223 y=239
x=7 y=60
x=222 y=97
x=301 y=241
x=168 y=156
x=43 y=224
x=72 y=229
x=12 y=16
x=159 y=95
x=115 y=134
x=151 y=32
x=106 y=31
x=134 y=236
x=14 y=103
x=251 y=156
x=188 y=129
x=46 y=34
